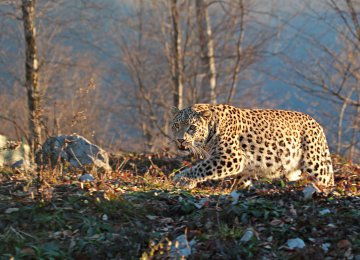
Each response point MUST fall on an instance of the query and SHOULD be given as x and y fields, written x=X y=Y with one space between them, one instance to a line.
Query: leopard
x=249 y=144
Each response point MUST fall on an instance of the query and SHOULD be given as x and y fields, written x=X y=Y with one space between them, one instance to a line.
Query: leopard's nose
x=180 y=141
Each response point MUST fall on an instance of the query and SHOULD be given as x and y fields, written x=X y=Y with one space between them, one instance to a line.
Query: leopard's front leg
x=213 y=168
x=190 y=177
x=185 y=180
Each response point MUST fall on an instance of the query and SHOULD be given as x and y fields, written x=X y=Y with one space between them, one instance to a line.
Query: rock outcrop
x=75 y=150
x=14 y=154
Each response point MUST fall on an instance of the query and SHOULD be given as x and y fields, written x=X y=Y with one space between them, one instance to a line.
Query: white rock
x=324 y=212
x=326 y=247
x=74 y=149
x=181 y=247
x=235 y=196
x=309 y=190
x=312 y=239
x=152 y=217
x=201 y=203
x=248 y=235
x=331 y=225
x=16 y=155
x=11 y=210
x=295 y=243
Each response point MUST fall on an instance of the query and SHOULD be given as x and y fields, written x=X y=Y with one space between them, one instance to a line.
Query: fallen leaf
x=295 y=243
x=276 y=222
x=292 y=210
x=28 y=251
x=348 y=254
x=166 y=220
x=11 y=210
x=344 y=243
x=151 y=217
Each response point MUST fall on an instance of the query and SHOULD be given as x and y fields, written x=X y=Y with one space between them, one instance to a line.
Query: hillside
x=135 y=212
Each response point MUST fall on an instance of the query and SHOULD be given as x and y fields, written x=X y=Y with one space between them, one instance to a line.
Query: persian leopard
x=250 y=143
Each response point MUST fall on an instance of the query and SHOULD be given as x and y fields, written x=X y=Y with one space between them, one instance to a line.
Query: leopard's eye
x=176 y=125
x=192 y=129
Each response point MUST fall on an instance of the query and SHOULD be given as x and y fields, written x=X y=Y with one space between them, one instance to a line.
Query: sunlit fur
x=250 y=143
x=193 y=128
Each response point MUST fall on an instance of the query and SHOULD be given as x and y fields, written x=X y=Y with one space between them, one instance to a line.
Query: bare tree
x=32 y=73
x=61 y=95
x=166 y=45
x=239 y=51
x=177 y=66
x=355 y=140
x=332 y=71
x=207 y=52
x=341 y=122
x=122 y=81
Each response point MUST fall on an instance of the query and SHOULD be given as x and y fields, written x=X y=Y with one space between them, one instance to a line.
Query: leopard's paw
x=183 y=181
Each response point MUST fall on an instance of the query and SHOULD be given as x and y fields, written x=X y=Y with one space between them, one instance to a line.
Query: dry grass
x=136 y=212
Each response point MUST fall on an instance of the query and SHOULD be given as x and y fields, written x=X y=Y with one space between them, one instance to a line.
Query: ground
x=135 y=212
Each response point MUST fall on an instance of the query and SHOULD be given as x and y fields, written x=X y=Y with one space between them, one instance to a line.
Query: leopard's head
x=190 y=127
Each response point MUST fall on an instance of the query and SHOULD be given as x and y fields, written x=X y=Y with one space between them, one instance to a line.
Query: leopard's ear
x=174 y=111
x=206 y=114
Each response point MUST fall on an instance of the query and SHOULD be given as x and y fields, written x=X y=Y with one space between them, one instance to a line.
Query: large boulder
x=14 y=154
x=75 y=150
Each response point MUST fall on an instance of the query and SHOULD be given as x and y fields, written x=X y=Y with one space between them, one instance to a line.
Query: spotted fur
x=250 y=143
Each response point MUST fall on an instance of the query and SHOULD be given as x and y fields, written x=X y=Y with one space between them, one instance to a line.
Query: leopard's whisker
x=201 y=153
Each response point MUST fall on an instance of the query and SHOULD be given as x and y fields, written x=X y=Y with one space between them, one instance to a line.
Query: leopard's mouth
x=183 y=147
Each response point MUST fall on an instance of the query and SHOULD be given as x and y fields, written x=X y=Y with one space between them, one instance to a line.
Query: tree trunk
x=355 y=130
x=339 y=144
x=354 y=136
x=340 y=126
x=177 y=66
x=236 y=70
x=207 y=52
x=32 y=74
x=354 y=18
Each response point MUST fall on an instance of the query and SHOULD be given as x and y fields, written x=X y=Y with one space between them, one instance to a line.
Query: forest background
x=110 y=70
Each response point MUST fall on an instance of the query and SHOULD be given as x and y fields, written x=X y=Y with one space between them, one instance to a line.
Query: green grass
x=131 y=215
